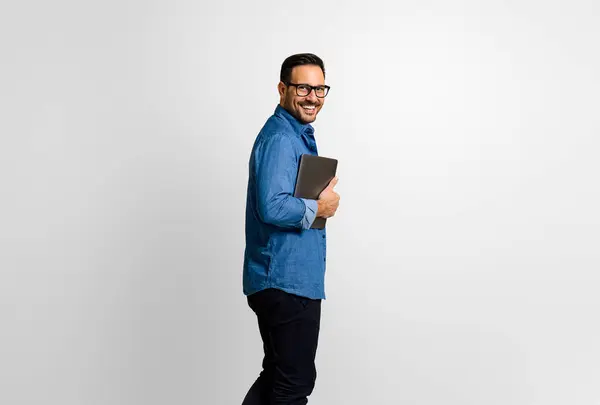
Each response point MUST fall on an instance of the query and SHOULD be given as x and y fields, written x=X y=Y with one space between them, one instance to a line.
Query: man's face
x=305 y=109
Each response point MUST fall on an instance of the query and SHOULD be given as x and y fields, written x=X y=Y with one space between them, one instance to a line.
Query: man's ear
x=281 y=89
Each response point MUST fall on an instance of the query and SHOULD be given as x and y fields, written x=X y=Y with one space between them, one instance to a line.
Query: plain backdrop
x=463 y=263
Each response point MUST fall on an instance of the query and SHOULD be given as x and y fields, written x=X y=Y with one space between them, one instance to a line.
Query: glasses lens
x=320 y=91
x=303 y=90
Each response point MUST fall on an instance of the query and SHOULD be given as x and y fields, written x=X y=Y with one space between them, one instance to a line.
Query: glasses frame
x=327 y=88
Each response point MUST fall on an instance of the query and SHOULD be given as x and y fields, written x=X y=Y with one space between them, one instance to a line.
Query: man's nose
x=312 y=96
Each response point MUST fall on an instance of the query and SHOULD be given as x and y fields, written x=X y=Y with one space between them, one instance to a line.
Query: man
x=284 y=260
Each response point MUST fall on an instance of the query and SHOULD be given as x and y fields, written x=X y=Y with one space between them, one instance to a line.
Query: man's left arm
x=276 y=172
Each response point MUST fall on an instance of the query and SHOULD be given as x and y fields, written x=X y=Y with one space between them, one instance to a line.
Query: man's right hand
x=328 y=201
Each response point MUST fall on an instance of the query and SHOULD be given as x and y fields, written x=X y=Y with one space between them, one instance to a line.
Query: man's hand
x=328 y=201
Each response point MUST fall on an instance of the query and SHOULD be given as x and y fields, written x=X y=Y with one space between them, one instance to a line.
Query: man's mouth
x=309 y=108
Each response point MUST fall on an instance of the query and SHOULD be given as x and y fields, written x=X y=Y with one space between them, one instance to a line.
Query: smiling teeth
x=309 y=107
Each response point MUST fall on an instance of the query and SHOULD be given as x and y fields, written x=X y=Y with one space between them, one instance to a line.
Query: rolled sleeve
x=310 y=213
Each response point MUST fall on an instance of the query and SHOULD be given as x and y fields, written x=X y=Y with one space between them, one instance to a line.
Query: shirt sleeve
x=276 y=169
x=310 y=214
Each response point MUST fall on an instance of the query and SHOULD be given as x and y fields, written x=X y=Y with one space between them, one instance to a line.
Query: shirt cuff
x=310 y=213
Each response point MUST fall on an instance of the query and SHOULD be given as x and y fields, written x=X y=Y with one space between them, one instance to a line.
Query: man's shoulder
x=276 y=128
x=276 y=124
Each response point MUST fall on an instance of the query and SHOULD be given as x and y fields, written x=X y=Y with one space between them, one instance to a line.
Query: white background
x=463 y=261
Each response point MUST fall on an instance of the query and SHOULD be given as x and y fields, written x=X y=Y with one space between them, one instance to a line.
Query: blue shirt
x=281 y=250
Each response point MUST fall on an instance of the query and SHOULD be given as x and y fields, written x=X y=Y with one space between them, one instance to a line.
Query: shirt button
x=323 y=236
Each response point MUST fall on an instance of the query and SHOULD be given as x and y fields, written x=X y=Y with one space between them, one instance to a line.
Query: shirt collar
x=300 y=128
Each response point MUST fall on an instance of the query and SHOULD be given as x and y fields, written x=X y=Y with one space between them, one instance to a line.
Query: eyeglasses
x=304 y=90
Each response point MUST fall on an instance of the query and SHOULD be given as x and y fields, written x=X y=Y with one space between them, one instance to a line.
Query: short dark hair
x=298 y=60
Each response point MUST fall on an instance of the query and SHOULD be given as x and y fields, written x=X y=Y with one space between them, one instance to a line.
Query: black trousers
x=289 y=327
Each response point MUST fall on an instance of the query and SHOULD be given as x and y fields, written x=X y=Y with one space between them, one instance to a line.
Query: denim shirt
x=281 y=250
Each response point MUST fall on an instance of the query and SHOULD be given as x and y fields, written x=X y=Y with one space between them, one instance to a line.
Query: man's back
x=280 y=251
